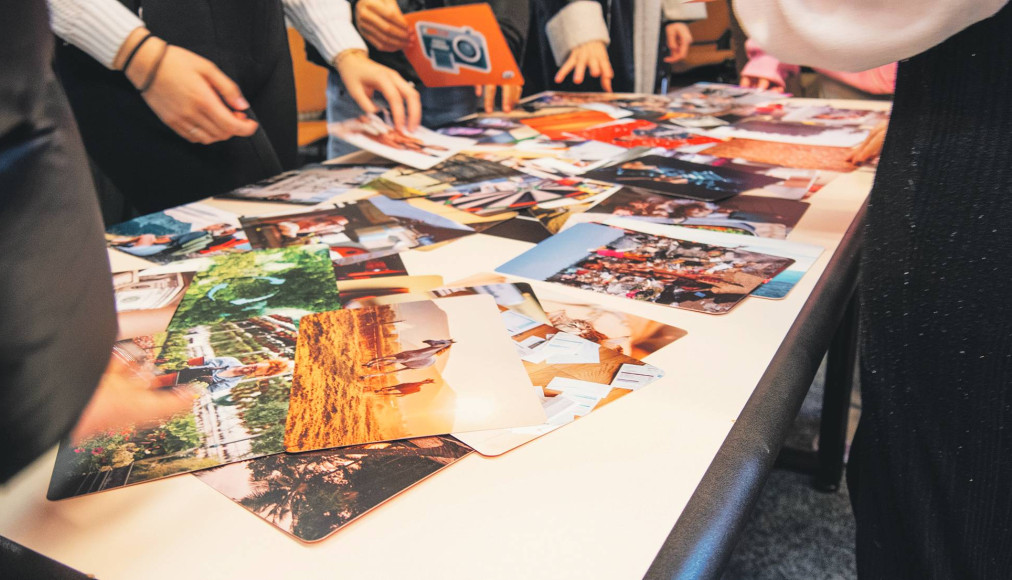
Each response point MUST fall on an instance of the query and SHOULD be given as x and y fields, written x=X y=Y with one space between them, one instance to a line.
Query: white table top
x=594 y=499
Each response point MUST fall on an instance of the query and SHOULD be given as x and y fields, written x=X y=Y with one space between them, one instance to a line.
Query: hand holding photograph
x=421 y=149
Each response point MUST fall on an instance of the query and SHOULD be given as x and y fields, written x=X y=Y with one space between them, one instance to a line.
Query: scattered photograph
x=367 y=292
x=356 y=231
x=718 y=99
x=745 y=214
x=690 y=275
x=375 y=374
x=239 y=377
x=625 y=333
x=490 y=129
x=785 y=154
x=312 y=495
x=310 y=185
x=195 y=230
x=795 y=183
x=559 y=126
x=681 y=178
x=145 y=302
x=640 y=133
x=804 y=255
x=406 y=182
x=421 y=149
x=288 y=282
x=383 y=267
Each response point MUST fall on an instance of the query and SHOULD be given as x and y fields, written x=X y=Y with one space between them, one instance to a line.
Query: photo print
x=310 y=185
x=238 y=377
x=690 y=275
x=681 y=178
x=390 y=372
x=288 y=282
x=313 y=495
x=195 y=230
x=406 y=182
x=420 y=149
x=744 y=214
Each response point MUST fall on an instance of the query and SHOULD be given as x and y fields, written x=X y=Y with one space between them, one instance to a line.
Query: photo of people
x=682 y=178
x=356 y=231
x=690 y=275
x=312 y=495
x=238 y=376
x=421 y=149
x=406 y=370
x=749 y=214
x=310 y=185
x=191 y=231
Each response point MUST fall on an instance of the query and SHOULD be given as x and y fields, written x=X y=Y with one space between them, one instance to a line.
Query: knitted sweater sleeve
x=857 y=34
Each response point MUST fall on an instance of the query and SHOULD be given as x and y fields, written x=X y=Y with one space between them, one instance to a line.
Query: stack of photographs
x=195 y=230
x=309 y=185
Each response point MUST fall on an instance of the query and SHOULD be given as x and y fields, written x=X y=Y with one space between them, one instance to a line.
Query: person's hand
x=510 y=96
x=189 y=94
x=679 y=39
x=382 y=24
x=763 y=84
x=125 y=398
x=591 y=55
x=872 y=146
x=363 y=77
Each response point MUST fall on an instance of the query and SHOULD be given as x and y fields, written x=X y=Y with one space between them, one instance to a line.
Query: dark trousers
x=147 y=161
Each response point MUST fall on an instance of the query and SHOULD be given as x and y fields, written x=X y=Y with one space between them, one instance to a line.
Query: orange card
x=461 y=45
x=556 y=127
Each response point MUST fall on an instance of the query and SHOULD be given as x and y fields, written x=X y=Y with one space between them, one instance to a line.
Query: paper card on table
x=749 y=215
x=786 y=154
x=679 y=178
x=804 y=255
x=288 y=282
x=585 y=385
x=195 y=230
x=313 y=495
x=680 y=273
x=231 y=381
x=640 y=133
x=310 y=185
x=386 y=290
x=356 y=231
x=719 y=99
x=146 y=302
x=817 y=125
x=796 y=183
x=564 y=348
x=634 y=377
x=629 y=334
x=378 y=267
x=405 y=370
x=557 y=126
x=406 y=182
x=517 y=323
x=460 y=45
x=421 y=148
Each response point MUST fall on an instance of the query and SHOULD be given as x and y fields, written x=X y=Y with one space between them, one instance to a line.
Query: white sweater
x=99 y=27
x=856 y=35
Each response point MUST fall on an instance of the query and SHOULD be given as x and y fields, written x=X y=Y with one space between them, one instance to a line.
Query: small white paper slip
x=532 y=349
x=632 y=376
x=607 y=109
x=559 y=410
x=588 y=353
x=517 y=323
x=576 y=387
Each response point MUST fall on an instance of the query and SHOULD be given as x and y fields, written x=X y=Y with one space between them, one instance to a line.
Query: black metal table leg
x=840 y=364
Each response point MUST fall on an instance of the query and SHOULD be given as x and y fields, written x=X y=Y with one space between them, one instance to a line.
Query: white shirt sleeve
x=680 y=10
x=856 y=35
x=578 y=23
x=98 y=27
x=326 y=24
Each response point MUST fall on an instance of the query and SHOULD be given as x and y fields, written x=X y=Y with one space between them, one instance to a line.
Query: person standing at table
x=615 y=42
x=57 y=320
x=930 y=472
x=383 y=26
x=181 y=99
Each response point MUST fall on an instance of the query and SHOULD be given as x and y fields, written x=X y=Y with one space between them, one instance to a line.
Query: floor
x=796 y=532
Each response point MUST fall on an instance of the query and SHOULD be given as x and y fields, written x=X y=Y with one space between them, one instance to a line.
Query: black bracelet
x=133 y=53
x=154 y=70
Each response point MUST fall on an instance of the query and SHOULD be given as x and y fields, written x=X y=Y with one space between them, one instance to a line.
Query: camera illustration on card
x=449 y=47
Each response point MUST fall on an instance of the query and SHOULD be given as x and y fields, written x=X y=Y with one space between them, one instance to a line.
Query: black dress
x=931 y=475
x=148 y=162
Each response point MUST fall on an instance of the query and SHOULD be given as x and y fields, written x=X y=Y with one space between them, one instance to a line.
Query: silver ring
x=193 y=131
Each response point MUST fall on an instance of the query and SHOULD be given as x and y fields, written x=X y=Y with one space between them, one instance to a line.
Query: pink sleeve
x=877 y=81
x=766 y=66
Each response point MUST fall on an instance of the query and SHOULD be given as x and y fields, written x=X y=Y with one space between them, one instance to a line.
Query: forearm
x=100 y=28
x=327 y=24
x=857 y=34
